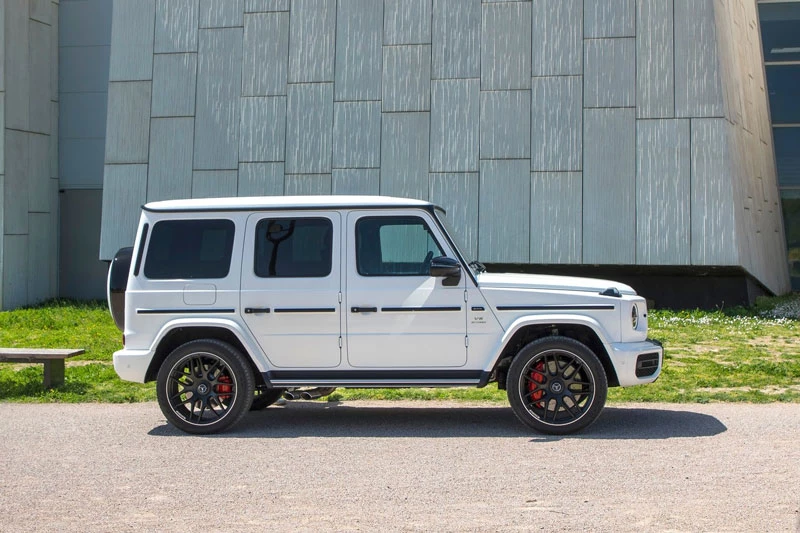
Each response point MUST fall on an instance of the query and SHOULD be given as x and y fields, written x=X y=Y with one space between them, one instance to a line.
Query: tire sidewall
x=592 y=365
x=241 y=372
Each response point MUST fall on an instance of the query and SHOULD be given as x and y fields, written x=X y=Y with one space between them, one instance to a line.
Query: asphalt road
x=400 y=466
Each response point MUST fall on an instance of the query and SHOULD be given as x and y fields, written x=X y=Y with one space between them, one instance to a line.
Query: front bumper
x=132 y=365
x=637 y=363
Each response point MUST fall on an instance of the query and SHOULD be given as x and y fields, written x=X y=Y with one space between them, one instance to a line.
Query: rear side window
x=190 y=249
x=293 y=248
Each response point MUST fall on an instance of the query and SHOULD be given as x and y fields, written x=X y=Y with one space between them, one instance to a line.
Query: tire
x=205 y=386
x=556 y=385
x=265 y=398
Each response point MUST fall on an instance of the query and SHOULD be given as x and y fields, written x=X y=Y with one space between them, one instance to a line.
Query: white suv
x=231 y=303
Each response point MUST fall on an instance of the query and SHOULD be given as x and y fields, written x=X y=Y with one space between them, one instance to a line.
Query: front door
x=398 y=315
x=291 y=283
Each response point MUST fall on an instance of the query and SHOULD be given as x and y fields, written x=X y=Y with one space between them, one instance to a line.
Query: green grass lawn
x=738 y=354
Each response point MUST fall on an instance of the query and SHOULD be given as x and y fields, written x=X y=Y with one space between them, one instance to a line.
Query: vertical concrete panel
x=128 y=129
x=39 y=67
x=176 y=26
x=663 y=192
x=260 y=179
x=221 y=13
x=53 y=59
x=15 y=271
x=80 y=273
x=456 y=51
x=655 y=60
x=312 y=36
x=356 y=181
x=80 y=162
x=610 y=73
x=457 y=193
x=505 y=124
x=83 y=69
x=17 y=65
x=54 y=231
x=506 y=46
x=263 y=129
x=504 y=206
x=356 y=135
x=219 y=83
x=17 y=182
x=170 y=173
x=407 y=21
x=85 y=23
x=265 y=6
x=455 y=125
x=132 y=36
x=39 y=10
x=557 y=37
x=52 y=142
x=556 y=214
x=266 y=54
x=309 y=127
x=39 y=172
x=698 y=88
x=39 y=257
x=404 y=155
x=713 y=221
x=124 y=192
x=174 y=85
x=359 y=56
x=406 y=78
x=308 y=184
x=214 y=183
x=83 y=115
x=609 y=18
x=609 y=186
x=556 y=123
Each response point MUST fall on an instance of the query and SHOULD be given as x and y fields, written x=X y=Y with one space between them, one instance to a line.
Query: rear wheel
x=557 y=385
x=205 y=386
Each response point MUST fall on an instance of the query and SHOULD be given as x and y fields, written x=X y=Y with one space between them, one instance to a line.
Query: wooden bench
x=53 y=360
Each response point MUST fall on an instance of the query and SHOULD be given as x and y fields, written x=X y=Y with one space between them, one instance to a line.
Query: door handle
x=363 y=309
x=251 y=310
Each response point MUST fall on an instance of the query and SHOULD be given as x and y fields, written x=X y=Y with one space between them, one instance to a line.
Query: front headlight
x=635 y=316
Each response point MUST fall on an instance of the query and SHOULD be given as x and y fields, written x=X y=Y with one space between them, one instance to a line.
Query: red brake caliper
x=222 y=389
x=538 y=377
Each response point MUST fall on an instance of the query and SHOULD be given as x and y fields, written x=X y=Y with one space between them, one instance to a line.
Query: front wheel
x=556 y=385
x=205 y=386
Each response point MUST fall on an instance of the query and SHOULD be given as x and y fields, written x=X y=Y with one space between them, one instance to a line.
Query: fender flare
x=539 y=320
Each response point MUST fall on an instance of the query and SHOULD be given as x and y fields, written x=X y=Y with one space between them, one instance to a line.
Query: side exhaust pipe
x=292 y=395
x=319 y=392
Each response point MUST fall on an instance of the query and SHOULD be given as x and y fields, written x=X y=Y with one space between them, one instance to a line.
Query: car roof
x=259 y=203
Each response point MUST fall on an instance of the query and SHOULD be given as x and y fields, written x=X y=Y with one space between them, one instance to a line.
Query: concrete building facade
x=618 y=137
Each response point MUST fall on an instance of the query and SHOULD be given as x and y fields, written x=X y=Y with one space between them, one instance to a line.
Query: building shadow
x=340 y=420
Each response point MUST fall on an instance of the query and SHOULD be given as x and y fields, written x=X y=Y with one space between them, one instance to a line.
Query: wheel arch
x=525 y=332
x=178 y=334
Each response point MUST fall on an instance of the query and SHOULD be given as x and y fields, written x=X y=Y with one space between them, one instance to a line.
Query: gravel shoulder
x=416 y=466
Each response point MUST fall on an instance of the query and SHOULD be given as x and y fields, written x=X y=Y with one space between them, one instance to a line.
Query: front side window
x=190 y=249
x=293 y=248
x=395 y=246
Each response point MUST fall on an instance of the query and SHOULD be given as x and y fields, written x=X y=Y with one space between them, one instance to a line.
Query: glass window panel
x=293 y=248
x=780 y=31
x=787 y=155
x=190 y=249
x=790 y=200
x=395 y=246
x=783 y=86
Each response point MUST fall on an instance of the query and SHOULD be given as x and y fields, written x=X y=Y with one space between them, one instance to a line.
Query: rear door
x=291 y=283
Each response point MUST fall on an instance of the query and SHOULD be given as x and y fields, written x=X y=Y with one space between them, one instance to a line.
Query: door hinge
x=466 y=341
x=466 y=297
x=340 y=342
x=340 y=297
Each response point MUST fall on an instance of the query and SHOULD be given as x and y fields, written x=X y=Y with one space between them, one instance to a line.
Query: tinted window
x=190 y=249
x=293 y=248
x=394 y=246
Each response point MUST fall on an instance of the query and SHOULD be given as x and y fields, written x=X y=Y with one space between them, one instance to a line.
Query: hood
x=552 y=283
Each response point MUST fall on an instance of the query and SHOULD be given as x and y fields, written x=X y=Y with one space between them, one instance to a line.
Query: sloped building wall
x=598 y=132
x=28 y=151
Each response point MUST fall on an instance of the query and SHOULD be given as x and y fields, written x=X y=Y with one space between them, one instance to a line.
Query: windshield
x=455 y=237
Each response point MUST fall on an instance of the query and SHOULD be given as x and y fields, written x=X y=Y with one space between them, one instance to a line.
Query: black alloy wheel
x=556 y=385
x=205 y=386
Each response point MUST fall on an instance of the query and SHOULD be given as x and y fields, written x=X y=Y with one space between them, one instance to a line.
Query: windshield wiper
x=478 y=266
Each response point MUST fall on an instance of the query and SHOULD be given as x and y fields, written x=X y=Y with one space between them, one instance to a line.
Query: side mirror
x=448 y=268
